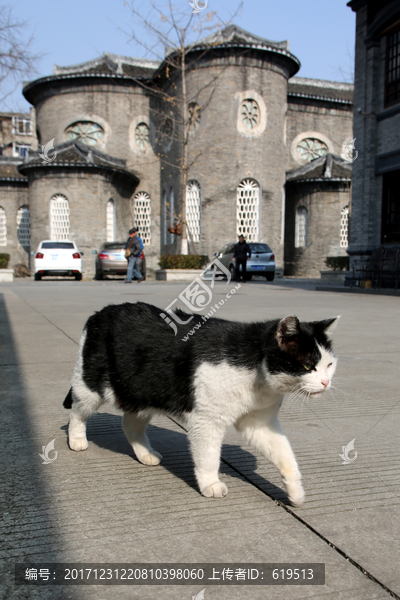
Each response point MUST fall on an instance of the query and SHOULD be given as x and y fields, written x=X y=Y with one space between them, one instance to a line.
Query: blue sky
x=321 y=33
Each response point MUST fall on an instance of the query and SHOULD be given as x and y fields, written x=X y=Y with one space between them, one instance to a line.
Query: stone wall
x=14 y=195
x=324 y=203
x=87 y=195
x=223 y=153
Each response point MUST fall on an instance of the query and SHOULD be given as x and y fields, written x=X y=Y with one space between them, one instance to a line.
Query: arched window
x=111 y=220
x=3 y=227
x=171 y=213
x=344 y=227
x=247 y=212
x=24 y=227
x=59 y=218
x=142 y=216
x=301 y=227
x=193 y=210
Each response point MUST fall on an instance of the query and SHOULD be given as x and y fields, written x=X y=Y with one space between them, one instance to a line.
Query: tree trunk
x=184 y=108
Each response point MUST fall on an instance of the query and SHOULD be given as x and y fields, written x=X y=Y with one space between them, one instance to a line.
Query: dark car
x=111 y=260
x=262 y=261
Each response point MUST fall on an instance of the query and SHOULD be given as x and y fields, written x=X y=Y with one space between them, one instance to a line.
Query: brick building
x=376 y=172
x=255 y=130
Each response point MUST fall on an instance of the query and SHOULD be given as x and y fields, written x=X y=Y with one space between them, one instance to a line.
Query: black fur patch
x=68 y=399
x=132 y=350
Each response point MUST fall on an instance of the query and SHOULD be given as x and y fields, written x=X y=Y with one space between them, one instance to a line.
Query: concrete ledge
x=7 y=275
x=356 y=290
x=333 y=276
x=177 y=274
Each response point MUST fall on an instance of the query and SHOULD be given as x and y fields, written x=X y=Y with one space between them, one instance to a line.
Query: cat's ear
x=328 y=325
x=287 y=333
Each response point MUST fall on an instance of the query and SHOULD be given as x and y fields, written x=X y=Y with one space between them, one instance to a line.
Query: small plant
x=338 y=263
x=183 y=261
x=4 y=258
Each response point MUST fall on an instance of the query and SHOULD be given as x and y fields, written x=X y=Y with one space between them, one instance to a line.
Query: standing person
x=135 y=248
x=240 y=254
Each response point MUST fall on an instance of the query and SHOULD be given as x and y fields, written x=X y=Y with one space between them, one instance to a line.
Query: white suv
x=58 y=258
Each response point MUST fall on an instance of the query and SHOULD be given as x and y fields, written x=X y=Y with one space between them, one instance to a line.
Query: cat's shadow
x=105 y=430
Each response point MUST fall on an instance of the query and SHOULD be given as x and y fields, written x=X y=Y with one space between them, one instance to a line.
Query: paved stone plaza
x=102 y=506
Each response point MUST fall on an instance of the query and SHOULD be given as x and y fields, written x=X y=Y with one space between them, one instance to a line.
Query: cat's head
x=302 y=358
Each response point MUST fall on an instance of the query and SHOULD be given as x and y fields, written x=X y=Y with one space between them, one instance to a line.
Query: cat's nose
x=325 y=382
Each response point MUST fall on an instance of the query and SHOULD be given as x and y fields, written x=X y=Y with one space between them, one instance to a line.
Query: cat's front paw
x=215 y=490
x=152 y=458
x=78 y=444
x=297 y=497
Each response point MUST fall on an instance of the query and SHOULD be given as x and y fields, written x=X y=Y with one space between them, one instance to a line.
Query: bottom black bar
x=170 y=574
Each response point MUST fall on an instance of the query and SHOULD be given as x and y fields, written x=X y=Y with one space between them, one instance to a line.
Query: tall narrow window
x=344 y=227
x=164 y=217
x=247 y=212
x=392 y=75
x=171 y=213
x=3 y=227
x=59 y=218
x=301 y=227
x=111 y=220
x=193 y=210
x=24 y=227
x=142 y=216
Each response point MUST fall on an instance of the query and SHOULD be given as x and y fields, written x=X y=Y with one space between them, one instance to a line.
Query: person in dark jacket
x=240 y=255
x=135 y=248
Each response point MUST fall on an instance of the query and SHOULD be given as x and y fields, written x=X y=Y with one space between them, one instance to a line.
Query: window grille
x=85 y=131
x=344 y=227
x=24 y=227
x=142 y=216
x=250 y=113
x=111 y=219
x=248 y=201
x=59 y=218
x=301 y=227
x=193 y=210
x=310 y=148
x=142 y=136
x=393 y=68
x=3 y=227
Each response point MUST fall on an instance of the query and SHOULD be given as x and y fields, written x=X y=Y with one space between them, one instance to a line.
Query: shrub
x=338 y=263
x=182 y=261
x=4 y=258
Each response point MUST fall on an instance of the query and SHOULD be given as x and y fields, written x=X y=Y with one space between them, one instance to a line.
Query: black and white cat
x=226 y=374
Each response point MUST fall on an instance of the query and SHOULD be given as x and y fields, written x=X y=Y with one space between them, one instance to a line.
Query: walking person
x=241 y=252
x=133 y=249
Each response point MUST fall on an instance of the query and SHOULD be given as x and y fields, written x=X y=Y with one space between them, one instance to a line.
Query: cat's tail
x=68 y=400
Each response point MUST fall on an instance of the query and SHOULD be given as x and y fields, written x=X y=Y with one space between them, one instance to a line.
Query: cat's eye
x=330 y=364
x=307 y=367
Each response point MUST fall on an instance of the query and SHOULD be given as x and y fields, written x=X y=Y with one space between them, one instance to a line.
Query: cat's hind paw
x=78 y=444
x=152 y=458
x=215 y=490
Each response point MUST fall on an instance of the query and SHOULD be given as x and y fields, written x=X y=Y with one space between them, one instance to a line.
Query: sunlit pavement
x=102 y=506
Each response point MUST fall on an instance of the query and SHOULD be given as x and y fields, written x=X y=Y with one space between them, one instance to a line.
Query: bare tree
x=175 y=34
x=16 y=58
